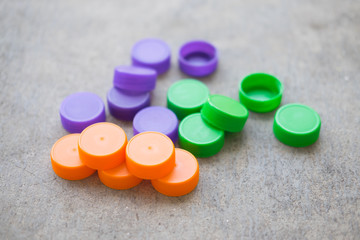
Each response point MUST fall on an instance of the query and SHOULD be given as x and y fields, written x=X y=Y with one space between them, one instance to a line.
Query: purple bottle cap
x=198 y=58
x=158 y=119
x=134 y=79
x=80 y=110
x=151 y=53
x=123 y=105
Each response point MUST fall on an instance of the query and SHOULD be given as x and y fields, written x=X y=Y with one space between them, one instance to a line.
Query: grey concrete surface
x=255 y=188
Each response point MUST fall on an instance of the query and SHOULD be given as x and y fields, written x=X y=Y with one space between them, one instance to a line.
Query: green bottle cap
x=224 y=113
x=260 y=92
x=186 y=97
x=297 y=125
x=198 y=137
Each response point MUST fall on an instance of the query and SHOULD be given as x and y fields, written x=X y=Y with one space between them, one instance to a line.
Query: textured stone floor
x=255 y=188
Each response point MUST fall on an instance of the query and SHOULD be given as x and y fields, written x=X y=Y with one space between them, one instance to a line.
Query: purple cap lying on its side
x=134 y=79
x=124 y=106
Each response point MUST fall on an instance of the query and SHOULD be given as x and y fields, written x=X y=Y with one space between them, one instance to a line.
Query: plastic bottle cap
x=65 y=159
x=118 y=177
x=183 y=178
x=102 y=146
x=150 y=155
x=186 y=97
x=134 y=79
x=124 y=105
x=151 y=53
x=198 y=58
x=260 y=92
x=198 y=137
x=297 y=125
x=80 y=110
x=157 y=119
x=224 y=113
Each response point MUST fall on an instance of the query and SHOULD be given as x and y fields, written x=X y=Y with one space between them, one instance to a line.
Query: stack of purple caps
x=133 y=84
x=131 y=91
x=130 y=95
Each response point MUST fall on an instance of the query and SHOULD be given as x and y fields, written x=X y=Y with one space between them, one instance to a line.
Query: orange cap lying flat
x=65 y=159
x=150 y=155
x=118 y=178
x=102 y=146
x=183 y=179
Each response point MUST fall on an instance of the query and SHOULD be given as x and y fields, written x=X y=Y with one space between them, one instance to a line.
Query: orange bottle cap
x=102 y=146
x=119 y=177
x=65 y=159
x=183 y=179
x=150 y=155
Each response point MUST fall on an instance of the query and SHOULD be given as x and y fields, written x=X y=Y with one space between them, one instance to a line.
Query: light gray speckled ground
x=255 y=187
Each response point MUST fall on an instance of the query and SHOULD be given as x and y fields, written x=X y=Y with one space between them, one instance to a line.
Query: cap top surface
x=65 y=151
x=83 y=106
x=297 y=118
x=194 y=129
x=186 y=166
x=151 y=50
x=157 y=119
x=150 y=148
x=188 y=93
x=102 y=139
x=227 y=105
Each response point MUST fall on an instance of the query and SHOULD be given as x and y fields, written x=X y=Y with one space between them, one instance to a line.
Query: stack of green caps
x=200 y=138
x=205 y=118
x=203 y=133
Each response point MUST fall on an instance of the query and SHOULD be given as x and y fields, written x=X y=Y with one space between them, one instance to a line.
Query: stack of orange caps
x=122 y=164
